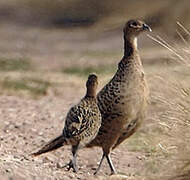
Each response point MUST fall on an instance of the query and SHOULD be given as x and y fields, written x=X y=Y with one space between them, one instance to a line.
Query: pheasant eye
x=134 y=24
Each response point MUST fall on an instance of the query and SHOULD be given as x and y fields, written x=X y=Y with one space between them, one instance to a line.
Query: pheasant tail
x=51 y=146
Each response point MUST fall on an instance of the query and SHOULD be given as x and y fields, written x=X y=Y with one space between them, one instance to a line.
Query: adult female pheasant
x=123 y=101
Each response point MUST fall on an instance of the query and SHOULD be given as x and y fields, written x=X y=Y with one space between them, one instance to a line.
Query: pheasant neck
x=91 y=92
x=130 y=46
x=130 y=50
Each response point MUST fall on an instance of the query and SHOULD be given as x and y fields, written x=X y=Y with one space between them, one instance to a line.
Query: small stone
x=1 y=138
x=34 y=130
x=139 y=157
x=16 y=157
x=40 y=133
x=71 y=175
x=58 y=165
x=8 y=170
x=48 y=159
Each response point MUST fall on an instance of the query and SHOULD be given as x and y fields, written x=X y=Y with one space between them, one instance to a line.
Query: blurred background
x=106 y=14
x=47 y=50
x=56 y=33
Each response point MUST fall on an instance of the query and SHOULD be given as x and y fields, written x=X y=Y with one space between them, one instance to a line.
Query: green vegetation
x=84 y=71
x=33 y=86
x=17 y=64
x=102 y=54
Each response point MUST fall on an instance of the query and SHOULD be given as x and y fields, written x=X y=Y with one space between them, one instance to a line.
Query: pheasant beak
x=146 y=28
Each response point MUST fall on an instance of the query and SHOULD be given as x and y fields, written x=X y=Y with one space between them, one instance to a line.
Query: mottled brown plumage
x=123 y=101
x=81 y=126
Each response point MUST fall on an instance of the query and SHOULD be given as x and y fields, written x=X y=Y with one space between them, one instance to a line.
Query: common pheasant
x=81 y=125
x=123 y=100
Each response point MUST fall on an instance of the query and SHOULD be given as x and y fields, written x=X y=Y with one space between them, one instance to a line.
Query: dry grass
x=173 y=101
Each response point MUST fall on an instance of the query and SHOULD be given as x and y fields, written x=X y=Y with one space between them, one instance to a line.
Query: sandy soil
x=27 y=124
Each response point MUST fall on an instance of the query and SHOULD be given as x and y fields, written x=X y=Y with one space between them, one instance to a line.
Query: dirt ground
x=28 y=122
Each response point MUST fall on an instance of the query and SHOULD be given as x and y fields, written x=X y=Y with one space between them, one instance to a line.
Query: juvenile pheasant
x=123 y=101
x=81 y=126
